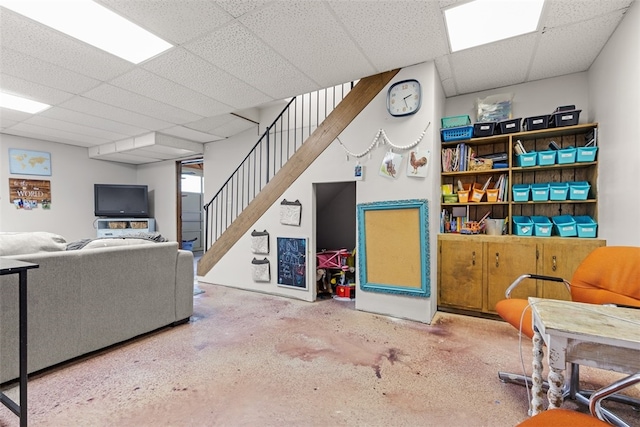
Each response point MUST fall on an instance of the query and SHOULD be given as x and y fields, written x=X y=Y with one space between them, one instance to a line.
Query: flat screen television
x=118 y=200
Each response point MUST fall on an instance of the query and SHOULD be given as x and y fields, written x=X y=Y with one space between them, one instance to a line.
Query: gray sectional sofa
x=83 y=300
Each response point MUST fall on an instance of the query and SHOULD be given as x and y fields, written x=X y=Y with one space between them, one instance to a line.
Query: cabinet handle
x=473 y=258
x=555 y=266
x=497 y=259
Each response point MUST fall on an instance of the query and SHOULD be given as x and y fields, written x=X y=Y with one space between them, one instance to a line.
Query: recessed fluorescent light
x=94 y=24
x=21 y=104
x=484 y=21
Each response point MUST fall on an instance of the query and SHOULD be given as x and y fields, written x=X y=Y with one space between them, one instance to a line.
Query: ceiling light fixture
x=485 y=21
x=14 y=102
x=92 y=23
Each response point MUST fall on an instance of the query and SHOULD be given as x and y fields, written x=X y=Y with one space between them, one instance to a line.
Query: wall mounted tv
x=117 y=200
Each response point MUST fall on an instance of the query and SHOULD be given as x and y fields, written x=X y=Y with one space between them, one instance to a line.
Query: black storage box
x=483 y=129
x=565 y=118
x=509 y=126
x=536 y=122
x=565 y=108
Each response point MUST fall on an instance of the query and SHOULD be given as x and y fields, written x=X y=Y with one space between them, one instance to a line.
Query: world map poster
x=26 y=162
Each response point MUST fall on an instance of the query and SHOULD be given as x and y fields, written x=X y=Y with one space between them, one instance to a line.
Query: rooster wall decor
x=418 y=160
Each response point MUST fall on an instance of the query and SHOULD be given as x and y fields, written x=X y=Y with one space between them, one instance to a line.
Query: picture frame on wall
x=292 y=262
x=29 y=162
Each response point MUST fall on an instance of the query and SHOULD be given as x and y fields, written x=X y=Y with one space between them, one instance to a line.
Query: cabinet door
x=505 y=262
x=461 y=272
x=560 y=258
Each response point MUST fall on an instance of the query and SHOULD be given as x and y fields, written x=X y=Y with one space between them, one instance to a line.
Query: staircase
x=227 y=221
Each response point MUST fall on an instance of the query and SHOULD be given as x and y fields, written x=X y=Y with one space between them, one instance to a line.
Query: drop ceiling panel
x=175 y=21
x=55 y=135
x=70 y=116
x=135 y=102
x=237 y=51
x=32 y=69
x=162 y=90
x=562 y=12
x=59 y=120
x=34 y=91
x=26 y=36
x=192 y=134
x=111 y=113
x=193 y=72
x=234 y=127
x=479 y=69
x=423 y=26
x=326 y=53
x=572 y=48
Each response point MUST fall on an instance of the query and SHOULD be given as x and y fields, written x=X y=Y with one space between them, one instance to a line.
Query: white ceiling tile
x=192 y=134
x=572 y=48
x=116 y=114
x=34 y=91
x=325 y=44
x=160 y=89
x=393 y=34
x=28 y=68
x=240 y=53
x=73 y=128
x=562 y=12
x=237 y=8
x=56 y=135
x=193 y=72
x=23 y=35
x=135 y=102
x=86 y=119
x=493 y=65
x=444 y=68
x=174 y=21
x=236 y=126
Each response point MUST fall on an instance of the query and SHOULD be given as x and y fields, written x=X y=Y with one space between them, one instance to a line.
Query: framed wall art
x=393 y=247
x=292 y=262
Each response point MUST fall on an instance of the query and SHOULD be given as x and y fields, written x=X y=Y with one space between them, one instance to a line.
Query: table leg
x=556 y=381
x=536 y=376
x=22 y=302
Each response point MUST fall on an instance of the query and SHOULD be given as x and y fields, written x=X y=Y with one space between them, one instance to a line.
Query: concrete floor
x=250 y=359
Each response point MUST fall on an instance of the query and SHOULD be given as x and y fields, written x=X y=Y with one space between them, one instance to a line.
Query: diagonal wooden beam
x=344 y=113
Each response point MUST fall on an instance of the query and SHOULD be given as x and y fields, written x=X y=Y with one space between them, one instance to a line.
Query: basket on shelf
x=480 y=164
x=117 y=224
x=138 y=224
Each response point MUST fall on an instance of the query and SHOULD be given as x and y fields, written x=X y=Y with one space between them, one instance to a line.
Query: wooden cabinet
x=474 y=271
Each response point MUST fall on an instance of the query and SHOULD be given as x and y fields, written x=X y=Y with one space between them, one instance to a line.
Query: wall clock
x=404 y=98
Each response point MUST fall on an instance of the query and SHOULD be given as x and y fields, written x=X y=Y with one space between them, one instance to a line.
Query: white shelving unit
x=113 y=227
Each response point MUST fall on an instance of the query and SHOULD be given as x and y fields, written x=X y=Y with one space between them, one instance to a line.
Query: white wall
x=72 y=178
x=614 y=91
x=531 y=99
x=333 y=166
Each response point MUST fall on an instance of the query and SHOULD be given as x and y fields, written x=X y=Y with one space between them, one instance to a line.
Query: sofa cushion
x=111 y=242
x=19 y=243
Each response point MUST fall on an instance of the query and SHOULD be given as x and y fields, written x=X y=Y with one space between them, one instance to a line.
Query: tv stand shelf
x=113 y=227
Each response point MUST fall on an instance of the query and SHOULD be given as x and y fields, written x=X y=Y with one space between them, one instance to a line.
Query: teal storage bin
x=546 y=158
x=586 y=154
x=586 y=226
x=522 y=226
x=455 y=121
x=565 y=226
x=521 y=192
x=542 y=226
x=527 y=160
x=558 y=191
x=566 y=155
x=539 y=192
x=579 y=190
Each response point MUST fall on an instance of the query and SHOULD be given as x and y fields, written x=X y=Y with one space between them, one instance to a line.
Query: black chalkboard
x=292 y=262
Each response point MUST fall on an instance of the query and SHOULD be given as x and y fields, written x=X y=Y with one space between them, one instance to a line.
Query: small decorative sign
x=28 y=193
x=292 y=262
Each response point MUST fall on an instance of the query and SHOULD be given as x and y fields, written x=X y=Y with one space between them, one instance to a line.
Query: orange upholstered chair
x=566 y=418
x=608 y=275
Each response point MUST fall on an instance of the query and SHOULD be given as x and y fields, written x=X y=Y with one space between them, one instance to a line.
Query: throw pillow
x=20 y=243
x=111 y=242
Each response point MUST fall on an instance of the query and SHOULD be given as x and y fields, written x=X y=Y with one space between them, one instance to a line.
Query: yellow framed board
x=393 y=247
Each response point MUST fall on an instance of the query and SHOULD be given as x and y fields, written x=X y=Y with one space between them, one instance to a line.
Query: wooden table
x=11 y=266
x=599 y=336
